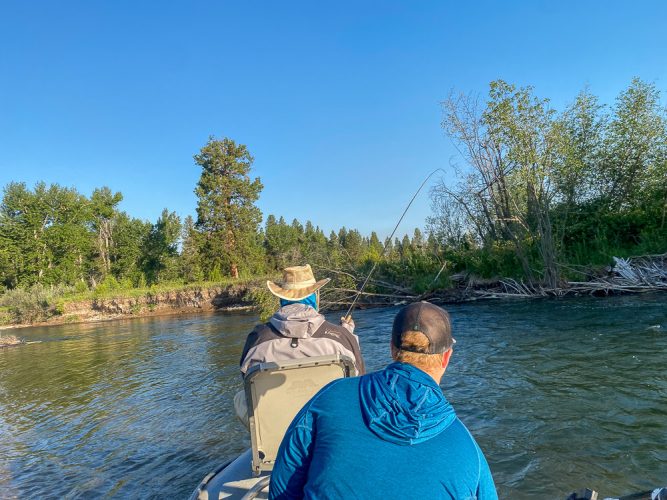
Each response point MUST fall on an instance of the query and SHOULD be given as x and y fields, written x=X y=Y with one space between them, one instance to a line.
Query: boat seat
x=275 y=393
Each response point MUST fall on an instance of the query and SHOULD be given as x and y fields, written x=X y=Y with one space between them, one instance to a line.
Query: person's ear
x=394 y=351
x=446 y=357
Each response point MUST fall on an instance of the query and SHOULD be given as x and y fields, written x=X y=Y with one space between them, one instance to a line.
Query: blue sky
x=337 y=101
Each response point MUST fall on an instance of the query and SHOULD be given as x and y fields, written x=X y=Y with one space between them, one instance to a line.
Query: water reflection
x=560 y=395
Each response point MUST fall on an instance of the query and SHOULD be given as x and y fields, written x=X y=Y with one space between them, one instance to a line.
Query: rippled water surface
x=559 y=394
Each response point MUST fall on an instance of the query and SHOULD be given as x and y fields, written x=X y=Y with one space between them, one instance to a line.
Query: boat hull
x=233 y=481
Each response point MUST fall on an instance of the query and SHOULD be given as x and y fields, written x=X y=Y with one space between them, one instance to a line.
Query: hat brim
x=297 y=293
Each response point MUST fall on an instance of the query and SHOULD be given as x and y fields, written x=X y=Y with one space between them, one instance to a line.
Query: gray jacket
x=299 y=331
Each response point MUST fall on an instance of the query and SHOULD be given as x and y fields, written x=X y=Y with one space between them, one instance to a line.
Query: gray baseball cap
x=427 y=318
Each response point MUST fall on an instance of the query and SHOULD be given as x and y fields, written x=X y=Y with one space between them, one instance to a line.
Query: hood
x=297 y=321
x=404 y=405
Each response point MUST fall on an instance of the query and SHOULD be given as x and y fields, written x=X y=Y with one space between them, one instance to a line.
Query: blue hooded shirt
x=388 y=434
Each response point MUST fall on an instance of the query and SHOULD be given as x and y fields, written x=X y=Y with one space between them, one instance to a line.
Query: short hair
x=417 y=341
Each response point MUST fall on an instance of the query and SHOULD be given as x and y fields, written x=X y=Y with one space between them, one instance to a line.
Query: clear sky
x=337 y=101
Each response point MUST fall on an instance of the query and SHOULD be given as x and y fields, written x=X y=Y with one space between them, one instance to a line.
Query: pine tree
x=226 y=213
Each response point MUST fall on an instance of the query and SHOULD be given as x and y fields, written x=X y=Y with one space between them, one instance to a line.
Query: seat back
x=276 y=391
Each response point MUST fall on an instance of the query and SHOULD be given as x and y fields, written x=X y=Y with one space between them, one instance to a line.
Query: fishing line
x=388 y=241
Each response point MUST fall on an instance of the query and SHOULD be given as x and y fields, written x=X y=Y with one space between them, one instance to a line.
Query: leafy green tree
x=126 y=253
x=67 y=237
x=160 y=249
x=103 y=206
x=635 y=146
x=45 y=239
x=508 y=191
x=190 y=266
x=226 y=213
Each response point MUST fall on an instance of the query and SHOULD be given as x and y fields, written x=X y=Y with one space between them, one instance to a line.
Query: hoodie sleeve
x=290 y=471
x=486 y=489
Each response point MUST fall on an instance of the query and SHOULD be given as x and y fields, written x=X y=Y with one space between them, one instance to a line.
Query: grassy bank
x=40 y=303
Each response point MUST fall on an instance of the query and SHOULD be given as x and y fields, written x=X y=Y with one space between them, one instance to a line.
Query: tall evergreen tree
x=226 y=213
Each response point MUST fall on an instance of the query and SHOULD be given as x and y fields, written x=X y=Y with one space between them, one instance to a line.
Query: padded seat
x=275 y=393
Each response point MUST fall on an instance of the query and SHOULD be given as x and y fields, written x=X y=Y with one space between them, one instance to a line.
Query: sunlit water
x=560 y=394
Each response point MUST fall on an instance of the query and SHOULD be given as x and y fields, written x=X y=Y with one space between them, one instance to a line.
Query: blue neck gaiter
x=311 y=301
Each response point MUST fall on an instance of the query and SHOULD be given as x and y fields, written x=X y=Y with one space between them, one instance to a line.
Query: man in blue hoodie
x=388 y=434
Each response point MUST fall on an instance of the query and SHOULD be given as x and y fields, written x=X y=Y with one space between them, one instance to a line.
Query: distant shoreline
x=638 y=275
x=186 y=300
x=101 y=318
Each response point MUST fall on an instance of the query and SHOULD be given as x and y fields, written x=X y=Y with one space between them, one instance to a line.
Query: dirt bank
x=196 y=299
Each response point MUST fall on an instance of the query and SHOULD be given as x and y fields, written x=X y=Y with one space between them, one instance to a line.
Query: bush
x=5 y=316
x=215 y=274
x=265 y=302
x=81 y=287
x=108 y=285
x=126 y=283
x=37 y=303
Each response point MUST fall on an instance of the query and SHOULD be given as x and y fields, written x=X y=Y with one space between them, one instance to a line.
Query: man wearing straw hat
x=297 y=329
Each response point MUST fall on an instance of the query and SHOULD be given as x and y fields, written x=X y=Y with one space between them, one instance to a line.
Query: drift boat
x=275 y=392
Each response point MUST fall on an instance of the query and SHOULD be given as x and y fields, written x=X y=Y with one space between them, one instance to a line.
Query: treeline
x=541 y=194
x=56 y=236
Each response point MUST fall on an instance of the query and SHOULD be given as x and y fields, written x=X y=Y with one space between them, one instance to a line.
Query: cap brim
x=296 y=294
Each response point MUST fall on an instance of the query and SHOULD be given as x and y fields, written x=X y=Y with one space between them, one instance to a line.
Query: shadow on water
x=560 y=394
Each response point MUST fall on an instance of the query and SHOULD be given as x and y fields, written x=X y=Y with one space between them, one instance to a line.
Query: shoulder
x=262 y=333
x=337 y=391
x=337 y=332
x=459 y=436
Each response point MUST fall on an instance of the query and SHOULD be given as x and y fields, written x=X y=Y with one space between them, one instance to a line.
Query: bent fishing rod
x=387 y=242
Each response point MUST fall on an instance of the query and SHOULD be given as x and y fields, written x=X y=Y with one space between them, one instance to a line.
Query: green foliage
x=215 y=275
x=264 y=301
x=107 y=286
x=5 y=316
x=543 y=193
x=36 y=303
x=159 y=256
x=226 y=213
x=557 y=190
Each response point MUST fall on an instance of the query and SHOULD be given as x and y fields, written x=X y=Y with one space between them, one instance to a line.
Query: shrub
x=37 y=303
x=108 y=285
x=265 y=302
x=81 y=287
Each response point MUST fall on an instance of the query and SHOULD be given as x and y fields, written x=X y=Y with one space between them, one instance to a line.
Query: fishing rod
x=387 y=242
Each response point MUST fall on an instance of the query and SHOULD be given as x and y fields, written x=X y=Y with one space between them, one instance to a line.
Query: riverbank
x=637 y=275
x=181 y=299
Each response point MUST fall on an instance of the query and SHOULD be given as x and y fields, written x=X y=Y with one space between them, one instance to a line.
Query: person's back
x=388 y=434
x=296 y=330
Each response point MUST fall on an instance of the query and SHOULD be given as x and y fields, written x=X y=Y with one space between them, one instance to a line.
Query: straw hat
x=298 y=282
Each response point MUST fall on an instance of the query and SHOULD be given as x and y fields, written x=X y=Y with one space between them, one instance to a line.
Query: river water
x=560 y=394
